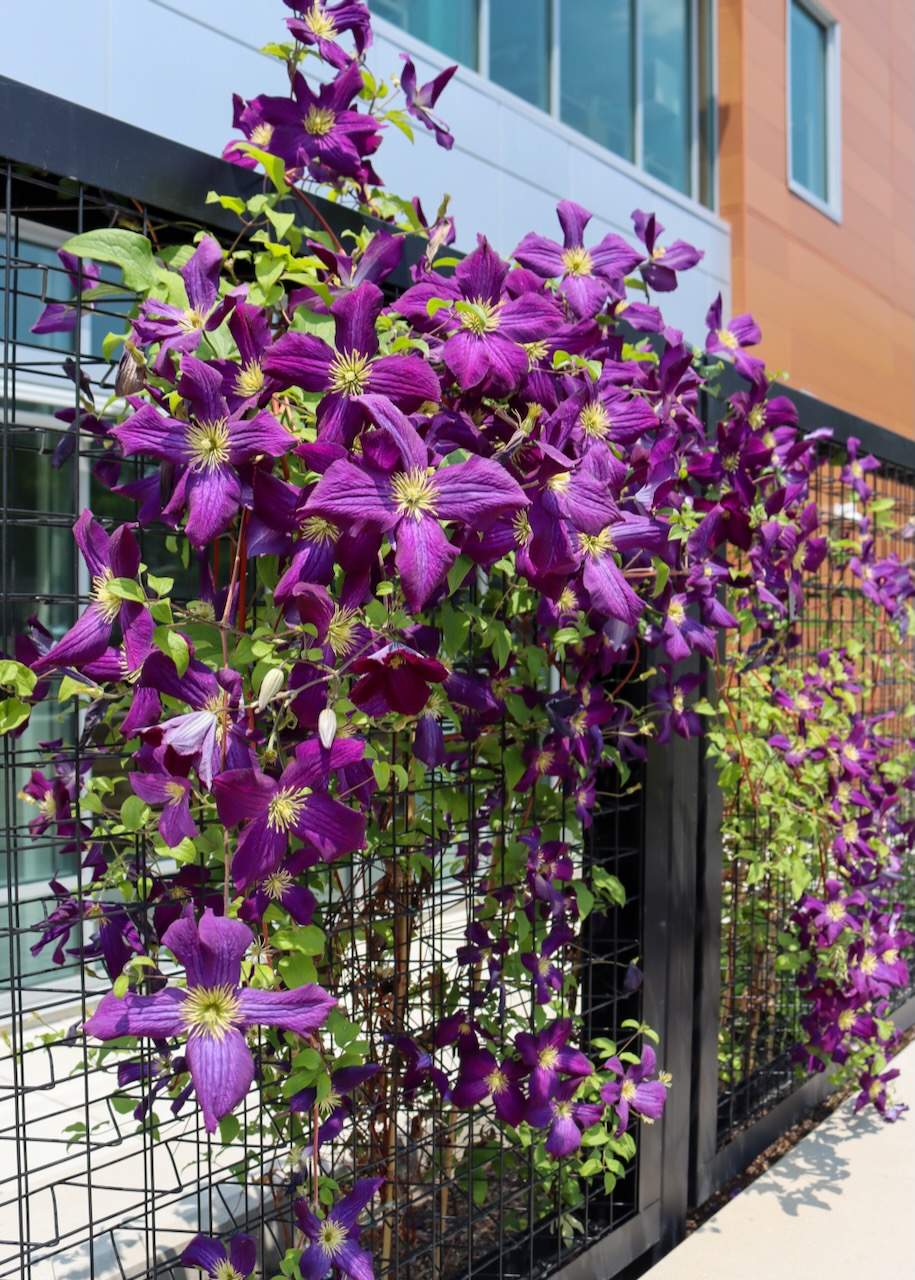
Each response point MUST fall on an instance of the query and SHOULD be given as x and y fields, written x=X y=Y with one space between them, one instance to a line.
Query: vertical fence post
x=707 y=980
x=672 y=816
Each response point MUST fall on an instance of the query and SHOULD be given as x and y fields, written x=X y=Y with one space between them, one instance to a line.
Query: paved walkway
x=840 y=1205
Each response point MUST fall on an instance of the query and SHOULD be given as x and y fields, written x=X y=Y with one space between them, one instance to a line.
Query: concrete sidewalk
x=838 y=1205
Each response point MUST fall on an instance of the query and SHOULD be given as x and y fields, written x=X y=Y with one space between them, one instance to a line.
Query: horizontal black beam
x=58 y=137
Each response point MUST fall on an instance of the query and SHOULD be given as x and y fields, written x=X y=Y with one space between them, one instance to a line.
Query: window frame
x=696 y=183
x=832 y=205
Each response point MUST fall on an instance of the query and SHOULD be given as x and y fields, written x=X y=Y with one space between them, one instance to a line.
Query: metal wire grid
x=84 y=1186
x=761 y=1007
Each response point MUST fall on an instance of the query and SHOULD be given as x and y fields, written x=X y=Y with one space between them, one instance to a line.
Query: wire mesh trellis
x=761 y=1005
x=93 y=1181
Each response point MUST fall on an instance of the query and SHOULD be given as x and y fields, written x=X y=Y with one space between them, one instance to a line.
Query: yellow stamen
x=349 y=373
x=249 y=380
x=208 y=443
x=319 y=23
x=414 y=492
x=108 y=602
x=627 y=1092
x=277 y=884
x=340 y=630
x=727 y=339
x=596 y=545
x=286 y=807
x=261 y=135
x=211 y=1011
x=485 y=319
x=577 y=261
x=331 y=1236
x=317 y=529
x=319 y=121
x=594 y=420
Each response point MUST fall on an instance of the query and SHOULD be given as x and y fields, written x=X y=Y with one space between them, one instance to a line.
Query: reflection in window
x=666 y=94
x=451 y=27
x=596 y=72
x=519 y=48
x=809 y=143
x=36 y=278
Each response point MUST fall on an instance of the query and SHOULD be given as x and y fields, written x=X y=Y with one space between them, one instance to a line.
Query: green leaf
x=13 y=713
x=273 y=166
x=16 y=676
x=134 y=812
x=584 y=897
x=126 y=589
x=126 y=249
x=307 y=939
x=177 y=647
x=229 y=1129
x=662 y=573
x=235 y=203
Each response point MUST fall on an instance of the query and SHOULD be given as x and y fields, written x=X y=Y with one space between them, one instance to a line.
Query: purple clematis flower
x=174 y=794
x=481 y=1076
x=304 y=360
x=296 y=804
x=730 y=340
x=181 y=328
x=633 y=1091
x=548 y=979
x=321 y=23
x=547 y=1056
x=587 y=275
x=334 y=1239
x=874 y=1089
x=210 y=446
x=285 y=889
x=404 y=499
x=345 y=272
x=335 y=1107
x=486 y=329
x=319 y=131
x=421 y=101
x=855 y=470
x=567 y=1119
x=395 y=678
x=107 y=558
x=213 y=1012
x=60 y=317
x=660 y=272
x=210 y=1255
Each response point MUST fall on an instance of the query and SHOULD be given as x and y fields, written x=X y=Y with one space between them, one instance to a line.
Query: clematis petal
x=86 y=641
x=423 y=557
x=204 y=1252
x=93 y=542
x=222 y=1071
x=300 y=360
x=212 y=495
x=302 y=1011
x=333 y=828
x=201 y=275
x=564 y=1136
x=243 y=1254
x=476 y=492
x=158 y=1016
x=261 y=434
x=347 y=492
x=347 y=1210
x=406 y=380
x=242 y=794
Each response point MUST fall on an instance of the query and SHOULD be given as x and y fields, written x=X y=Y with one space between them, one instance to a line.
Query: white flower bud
x=270 y=687
x=327 y=727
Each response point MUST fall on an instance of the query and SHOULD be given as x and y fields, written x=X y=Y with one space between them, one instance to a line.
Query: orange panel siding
x=836 y=303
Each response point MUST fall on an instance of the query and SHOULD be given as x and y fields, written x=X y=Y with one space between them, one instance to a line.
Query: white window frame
x=553 y=89
x=832 y=205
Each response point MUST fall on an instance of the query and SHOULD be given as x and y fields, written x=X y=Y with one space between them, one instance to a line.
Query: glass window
x=453 y=28
x=596 y=72
x=519 y=48
x=809 y=139
x=36 y=278
x=666 y=99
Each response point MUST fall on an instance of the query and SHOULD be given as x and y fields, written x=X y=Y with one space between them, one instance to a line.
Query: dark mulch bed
x=779 y=1148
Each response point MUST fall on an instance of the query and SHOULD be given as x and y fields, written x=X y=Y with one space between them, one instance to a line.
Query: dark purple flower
x=567 y=1119
x=407 y=500
x=587 y=275
x=421 y=101
x=209 y=446
x=730 y=340
x=660 y=272
x=353 y=370
x=319 y=131
x=547 y=1056
x=181 y=328
x=633 y=1091
x=174 y=794
x=106 y=558
x=395 y=678
x=60 y=317
x=214 y=1012
x=321 y=23
x=855 y=470
x=335 y=1106
x=874 y=1090
x=481 y=1076
x=296 y=804
x=210 y=1255
x=334 y=1239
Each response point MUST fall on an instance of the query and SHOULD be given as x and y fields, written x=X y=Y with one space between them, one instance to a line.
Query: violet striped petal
x=222 y=1071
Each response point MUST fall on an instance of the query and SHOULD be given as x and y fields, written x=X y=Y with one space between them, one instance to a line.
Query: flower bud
x=327 y=727
x=270 y=686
